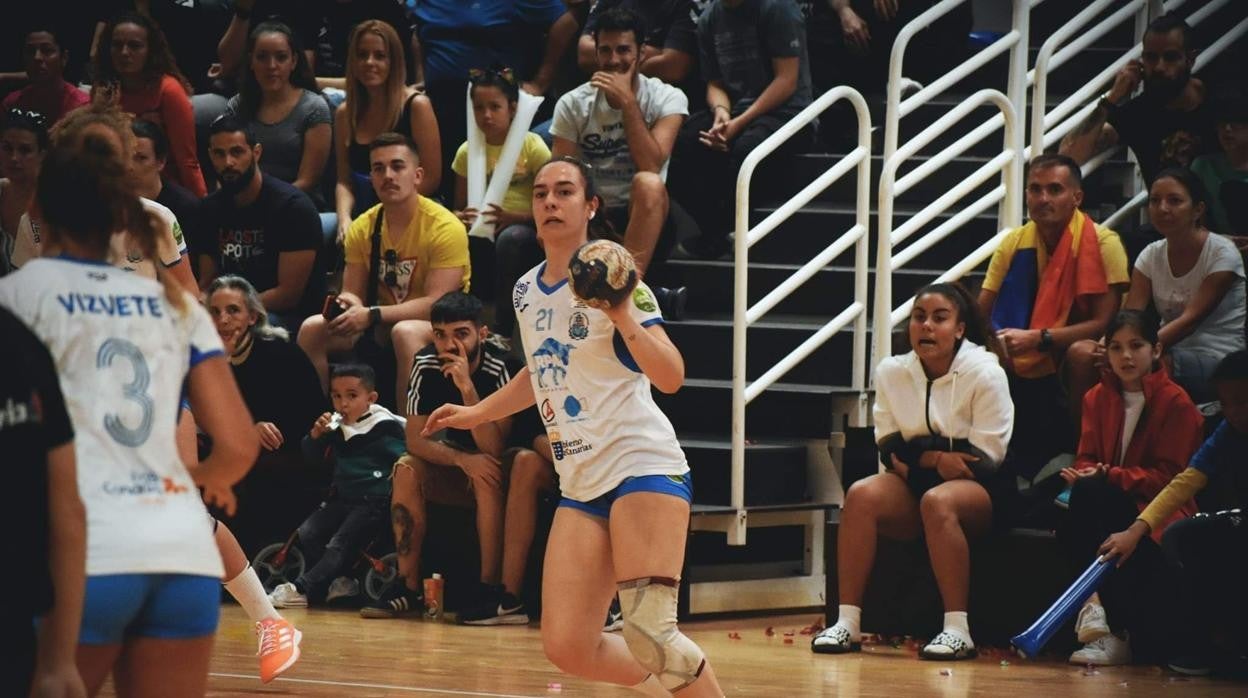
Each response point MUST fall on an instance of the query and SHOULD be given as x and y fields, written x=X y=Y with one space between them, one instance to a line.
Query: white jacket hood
x=971 y=402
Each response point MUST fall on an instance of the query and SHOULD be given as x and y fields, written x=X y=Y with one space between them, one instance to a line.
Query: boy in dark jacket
x=360 y=441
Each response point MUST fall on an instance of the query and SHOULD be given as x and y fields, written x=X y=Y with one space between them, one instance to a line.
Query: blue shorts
x=165 y=606
x=675 y=485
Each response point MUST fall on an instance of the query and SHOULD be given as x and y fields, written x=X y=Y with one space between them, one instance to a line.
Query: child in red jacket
x=1139 y=430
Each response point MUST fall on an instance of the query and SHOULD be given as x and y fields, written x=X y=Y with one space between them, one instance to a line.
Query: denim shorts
x=675 y=485
x=166 y=606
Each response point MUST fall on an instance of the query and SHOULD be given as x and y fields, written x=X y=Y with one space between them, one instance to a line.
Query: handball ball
x=603 y=273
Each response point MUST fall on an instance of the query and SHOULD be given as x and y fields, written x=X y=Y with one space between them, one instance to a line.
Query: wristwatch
x=374 y=316
x=1046 y=340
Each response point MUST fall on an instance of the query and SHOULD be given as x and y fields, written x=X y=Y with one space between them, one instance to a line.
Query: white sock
x=956 y=623
x=850 y=618
x=651 y=687
x=249 y=593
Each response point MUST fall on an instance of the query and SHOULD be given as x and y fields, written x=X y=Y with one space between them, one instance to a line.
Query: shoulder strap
x=374 y=260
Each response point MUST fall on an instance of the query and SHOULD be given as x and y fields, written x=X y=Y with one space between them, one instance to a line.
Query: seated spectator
x=754 y=61
x=23 y=142
x=1225 y=173
x=151 y=152
x=1211 y=550
x=260 y=228
x=136 y=65
x=668 y=50
x=461 y=468
x=340 y=18
x=943 y=419
x=279 y=101
x=359 y=443
x=623 y=124
x=1195 y=280
x=1169 y=124
x=378 y=101
x=47 y=92
x=1054 y=281
x=495 y=96
x=1139 y=430
x=281 y=391
x=232 y=47
x=401 y=256
x=109 y=122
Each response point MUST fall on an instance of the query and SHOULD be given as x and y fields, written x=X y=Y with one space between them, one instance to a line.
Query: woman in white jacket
x=943 y=418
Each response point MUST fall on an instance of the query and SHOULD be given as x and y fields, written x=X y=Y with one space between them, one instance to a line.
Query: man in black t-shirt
x=1169 y=124
x=260 y=228
x=45 y=520
x=465 y=468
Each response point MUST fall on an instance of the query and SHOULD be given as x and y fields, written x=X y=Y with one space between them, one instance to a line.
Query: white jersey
x=170 y=243
x=603 y=423
x=123 y=353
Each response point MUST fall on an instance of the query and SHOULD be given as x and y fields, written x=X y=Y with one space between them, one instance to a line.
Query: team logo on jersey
x=573 y=406
x=517 y=296
x=552 y=359
x=548 y=411
x=644 y=300
x=578 y=326
x=556 y=444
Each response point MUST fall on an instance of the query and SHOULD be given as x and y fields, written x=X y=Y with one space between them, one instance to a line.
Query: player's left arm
x=651 y=348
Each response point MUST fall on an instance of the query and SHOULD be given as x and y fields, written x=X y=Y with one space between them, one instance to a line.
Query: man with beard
x=259 y=228
x=1169 y=124
x=624 y=124
x=461 y=468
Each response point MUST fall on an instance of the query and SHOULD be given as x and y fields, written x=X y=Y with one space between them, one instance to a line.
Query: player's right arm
x=508 y=400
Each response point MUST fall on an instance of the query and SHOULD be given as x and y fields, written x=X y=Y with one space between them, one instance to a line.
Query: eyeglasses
x=33 y=117
x=391 y=277
x=506 y=74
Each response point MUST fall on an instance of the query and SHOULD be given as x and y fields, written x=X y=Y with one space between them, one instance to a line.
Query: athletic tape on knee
x=649 y=609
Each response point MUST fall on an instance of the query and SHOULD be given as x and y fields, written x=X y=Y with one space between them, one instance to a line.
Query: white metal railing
x=744 y=315
x=1049 y=128
x=1007 y=165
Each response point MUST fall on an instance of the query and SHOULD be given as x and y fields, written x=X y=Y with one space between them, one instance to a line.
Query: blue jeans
x=333 y=536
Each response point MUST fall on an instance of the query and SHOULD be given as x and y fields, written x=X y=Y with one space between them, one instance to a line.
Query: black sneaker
x=672 y=301
x=615 y=619
x=396 y=602
x=1191 y=665
x=505 y=609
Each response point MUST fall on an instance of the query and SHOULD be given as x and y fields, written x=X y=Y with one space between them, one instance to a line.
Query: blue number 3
x=135 y=390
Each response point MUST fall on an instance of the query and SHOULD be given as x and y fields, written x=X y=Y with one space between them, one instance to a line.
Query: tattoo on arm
x=401 y=519
x=1093 y=123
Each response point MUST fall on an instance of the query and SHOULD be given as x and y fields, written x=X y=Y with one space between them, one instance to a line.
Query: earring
x=592 y=214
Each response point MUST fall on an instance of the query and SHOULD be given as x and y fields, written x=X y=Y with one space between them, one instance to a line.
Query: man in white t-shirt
x=624 y=124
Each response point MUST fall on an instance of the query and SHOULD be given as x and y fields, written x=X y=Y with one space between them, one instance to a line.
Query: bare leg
x=95 y=663
x=877 y=505
x=648 y=533
x=409 y=337
x=316 y=341
x=489 y=505
x=232 y=554
x=530 y=476
x=1081 y=374
x=950 y=512
x=157 y=667
x=647 y=210
x=578 y=584
x=408 y=517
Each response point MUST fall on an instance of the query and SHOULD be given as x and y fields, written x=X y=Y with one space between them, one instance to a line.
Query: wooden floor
x=345 y=656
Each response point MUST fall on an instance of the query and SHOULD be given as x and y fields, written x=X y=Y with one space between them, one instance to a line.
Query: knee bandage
x=649 y=609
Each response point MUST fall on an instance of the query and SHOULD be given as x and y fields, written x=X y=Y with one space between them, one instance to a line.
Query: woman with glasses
x=136 y=66
x=378 y=101
x=23 y=141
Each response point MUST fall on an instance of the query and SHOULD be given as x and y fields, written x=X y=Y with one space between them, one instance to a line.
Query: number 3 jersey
x=595 y=402
x=123 y=353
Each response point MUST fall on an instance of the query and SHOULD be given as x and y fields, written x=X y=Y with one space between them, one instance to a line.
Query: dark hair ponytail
x=968 y=311
x=600 y=227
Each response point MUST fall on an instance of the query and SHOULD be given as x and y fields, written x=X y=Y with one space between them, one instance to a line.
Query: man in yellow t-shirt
x=1045 y=400
x=423 y=255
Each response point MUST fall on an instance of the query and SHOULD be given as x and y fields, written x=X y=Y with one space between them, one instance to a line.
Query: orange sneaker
x=279 y=647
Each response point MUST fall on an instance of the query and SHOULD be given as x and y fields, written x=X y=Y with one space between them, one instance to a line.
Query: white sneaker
x=287 y=596
x=1091 y=625
x=1110 y=650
